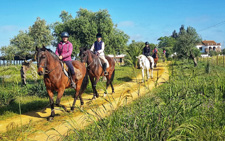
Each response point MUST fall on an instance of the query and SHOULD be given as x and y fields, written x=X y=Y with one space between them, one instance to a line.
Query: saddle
x=102 y=62
x=66 y=71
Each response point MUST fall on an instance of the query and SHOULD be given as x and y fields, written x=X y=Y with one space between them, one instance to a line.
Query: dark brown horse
x=50 y=66
x=95 y=70
x=156 y=58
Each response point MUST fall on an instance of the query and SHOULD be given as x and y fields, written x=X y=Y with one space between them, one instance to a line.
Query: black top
x=146 y=51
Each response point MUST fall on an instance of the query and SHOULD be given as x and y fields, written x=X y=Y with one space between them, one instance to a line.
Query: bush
x=37 y=89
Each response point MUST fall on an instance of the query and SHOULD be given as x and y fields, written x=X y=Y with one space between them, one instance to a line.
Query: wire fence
x=214 y=60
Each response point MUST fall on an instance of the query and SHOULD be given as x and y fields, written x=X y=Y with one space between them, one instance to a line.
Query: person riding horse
x=147 y=51
x=98 y=49
x=154 y=51
x=64 y=51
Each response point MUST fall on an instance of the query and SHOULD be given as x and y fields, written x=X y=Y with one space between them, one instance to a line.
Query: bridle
x=46 y=71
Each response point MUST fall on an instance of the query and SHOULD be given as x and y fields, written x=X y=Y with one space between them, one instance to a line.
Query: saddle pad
x=77 y=71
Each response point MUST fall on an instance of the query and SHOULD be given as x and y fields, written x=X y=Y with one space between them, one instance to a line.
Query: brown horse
x=50 y=67
x=156 y=58
x=95 y=70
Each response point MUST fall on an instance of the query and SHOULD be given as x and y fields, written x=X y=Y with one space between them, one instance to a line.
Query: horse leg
x=148 y=72
x=112 y=87
x=95 y=84
x=59 y=96
x=93 y=87
x=51 y=100
x=143 y=74
x=77 y=94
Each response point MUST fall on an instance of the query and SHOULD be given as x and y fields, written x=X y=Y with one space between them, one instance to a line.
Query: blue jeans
x=70 y=66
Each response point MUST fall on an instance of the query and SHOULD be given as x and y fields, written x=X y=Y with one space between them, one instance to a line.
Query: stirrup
x=73 y=85
x=106 y=73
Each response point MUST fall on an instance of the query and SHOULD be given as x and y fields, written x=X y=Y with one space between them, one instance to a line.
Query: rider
x=155 y=51
x=98 y=48
x=64 y=51
x=147 y=51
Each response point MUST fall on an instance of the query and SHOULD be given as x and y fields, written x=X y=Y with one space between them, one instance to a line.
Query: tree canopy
x=186 y=43
x=84 y=27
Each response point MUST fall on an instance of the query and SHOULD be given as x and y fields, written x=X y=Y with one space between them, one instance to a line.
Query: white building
x=207 y=45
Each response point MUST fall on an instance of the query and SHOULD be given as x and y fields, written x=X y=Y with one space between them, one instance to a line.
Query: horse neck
x=91 y=58
x=52 y=63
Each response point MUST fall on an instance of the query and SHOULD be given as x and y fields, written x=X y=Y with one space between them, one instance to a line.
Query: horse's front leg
x=51 y=100
x=76 y=95
x=143 y=74
x=93 y=87
x=59 y=96
x=148 y=72
x=152 y=73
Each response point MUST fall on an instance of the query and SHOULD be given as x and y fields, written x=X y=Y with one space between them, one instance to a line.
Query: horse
x=156 y=58
x=147 y=64
x=95 y=70
x=51 y=68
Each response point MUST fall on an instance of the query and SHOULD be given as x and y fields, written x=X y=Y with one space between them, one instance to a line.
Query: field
x=190 y=106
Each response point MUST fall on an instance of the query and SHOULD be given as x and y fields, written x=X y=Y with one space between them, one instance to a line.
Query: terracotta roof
x=209 y=42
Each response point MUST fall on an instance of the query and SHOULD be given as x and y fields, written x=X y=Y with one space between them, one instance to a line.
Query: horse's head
x=140 y=58
x=41 y=58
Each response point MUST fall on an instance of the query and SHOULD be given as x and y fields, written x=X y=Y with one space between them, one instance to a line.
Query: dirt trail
x=92 y=110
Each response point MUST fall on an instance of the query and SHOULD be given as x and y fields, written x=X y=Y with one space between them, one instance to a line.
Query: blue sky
x=142 y=20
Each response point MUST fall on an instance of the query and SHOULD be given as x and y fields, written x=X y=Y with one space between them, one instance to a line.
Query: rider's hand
x=60 y=57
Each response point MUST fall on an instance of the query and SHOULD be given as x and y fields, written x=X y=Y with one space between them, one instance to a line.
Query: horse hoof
x=72 y=109
x=93 y=98
x=50 y=118
x=104 y=95
x=81 y=107
x=113 y=92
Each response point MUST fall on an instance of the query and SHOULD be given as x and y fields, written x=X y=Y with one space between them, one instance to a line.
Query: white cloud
x=126 y=24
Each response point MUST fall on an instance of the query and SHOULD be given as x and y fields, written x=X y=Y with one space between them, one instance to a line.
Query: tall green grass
x=190 y=106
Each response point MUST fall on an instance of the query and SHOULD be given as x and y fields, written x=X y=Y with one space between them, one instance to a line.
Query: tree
x=23 y=44
x=174 y=34
x=134 y=50
x=186 y=43
x=166 y=42
x=41 y=33
x=84 y=27
x=65 y=17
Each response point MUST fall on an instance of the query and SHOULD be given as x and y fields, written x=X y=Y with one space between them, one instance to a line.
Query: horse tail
x=112 y=77
x=84 y=83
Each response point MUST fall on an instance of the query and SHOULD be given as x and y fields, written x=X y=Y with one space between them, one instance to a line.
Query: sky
x=142 y=20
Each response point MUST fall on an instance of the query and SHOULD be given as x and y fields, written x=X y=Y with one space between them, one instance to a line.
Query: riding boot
x=104 y=68
x=72 y=78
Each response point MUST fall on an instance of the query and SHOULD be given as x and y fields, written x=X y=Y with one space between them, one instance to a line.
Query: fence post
x=223 y=60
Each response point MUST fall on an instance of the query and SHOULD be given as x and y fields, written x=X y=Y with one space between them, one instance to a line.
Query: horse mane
x=51 y=52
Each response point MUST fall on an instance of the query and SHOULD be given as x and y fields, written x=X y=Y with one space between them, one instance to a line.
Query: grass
x=33 y=96
x=190 y=106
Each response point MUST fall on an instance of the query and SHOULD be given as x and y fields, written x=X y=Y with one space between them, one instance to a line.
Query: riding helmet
x=99 y=35
x=64 y=34
x=146 y=43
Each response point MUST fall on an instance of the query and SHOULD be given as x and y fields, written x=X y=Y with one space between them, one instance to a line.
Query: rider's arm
x=57 y=51
x=92 y=47
x=103 y=47
x=69 y=52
